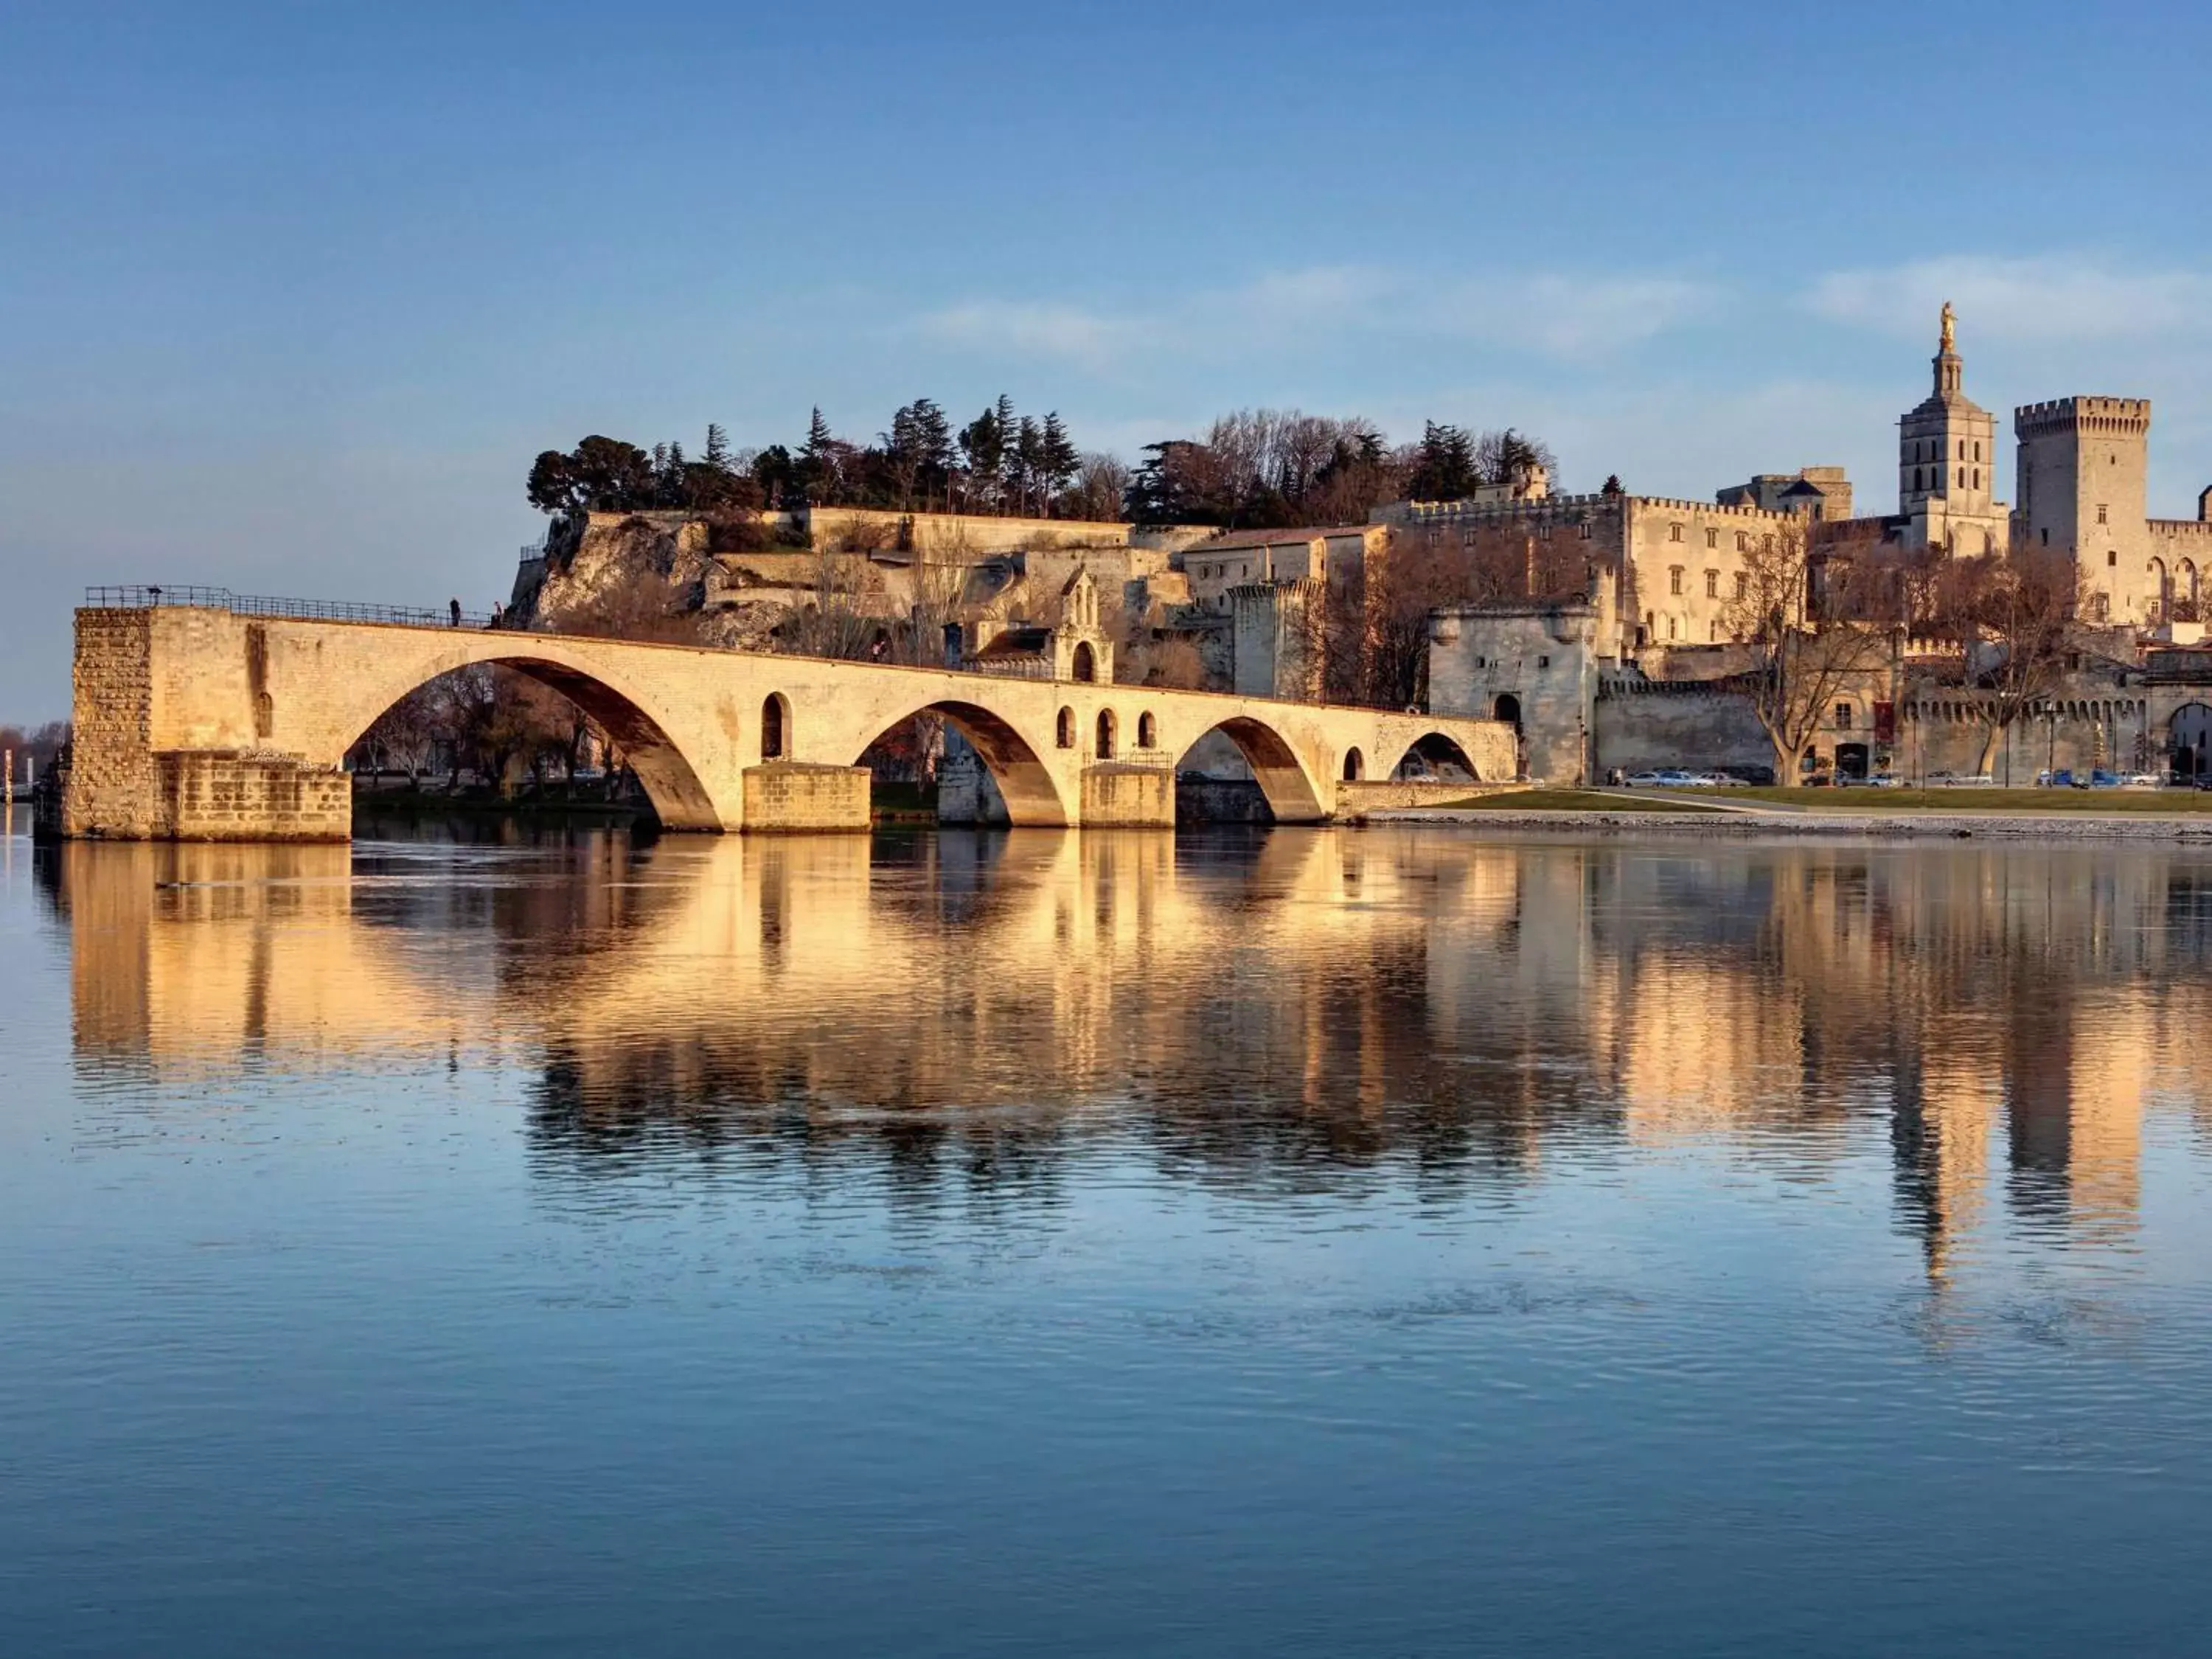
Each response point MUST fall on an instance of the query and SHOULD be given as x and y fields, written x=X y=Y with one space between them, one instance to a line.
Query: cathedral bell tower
x=1946 y=461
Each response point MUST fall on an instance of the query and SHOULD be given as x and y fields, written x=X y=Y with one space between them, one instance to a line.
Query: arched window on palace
x=1064 y=735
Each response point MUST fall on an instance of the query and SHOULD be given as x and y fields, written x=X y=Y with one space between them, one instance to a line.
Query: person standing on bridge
x=456 y=605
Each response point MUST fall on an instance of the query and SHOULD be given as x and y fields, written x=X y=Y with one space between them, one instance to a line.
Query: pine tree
x=718 y=448
x=1029 y=458
x=1009 y=461
x=815 y=475
x=984 y=443
x=917 y=447
x=1443 y=465
x=1057 y=457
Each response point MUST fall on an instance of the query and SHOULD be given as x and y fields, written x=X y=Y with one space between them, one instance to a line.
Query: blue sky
x=291 y=294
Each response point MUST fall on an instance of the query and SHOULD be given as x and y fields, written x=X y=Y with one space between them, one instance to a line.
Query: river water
x=1336 y=1243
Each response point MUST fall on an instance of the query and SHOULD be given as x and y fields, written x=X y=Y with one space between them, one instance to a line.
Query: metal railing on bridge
x=260 y=604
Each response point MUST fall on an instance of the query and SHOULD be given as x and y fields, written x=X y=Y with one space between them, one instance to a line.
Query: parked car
x=2061 y=779
x=1645 y=779
x=1726 y=780
x=1884 y=780
x=2101 y=778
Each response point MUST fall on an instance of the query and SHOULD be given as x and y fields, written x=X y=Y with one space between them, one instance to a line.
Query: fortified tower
x=2082 y=462
x=1946 y=462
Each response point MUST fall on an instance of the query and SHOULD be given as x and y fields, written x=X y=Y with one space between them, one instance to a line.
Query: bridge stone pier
x=198 y=722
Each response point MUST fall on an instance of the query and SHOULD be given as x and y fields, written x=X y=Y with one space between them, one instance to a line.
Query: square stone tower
x=2082 y=462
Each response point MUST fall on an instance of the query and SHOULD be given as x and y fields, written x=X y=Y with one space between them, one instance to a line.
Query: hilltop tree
x=918 y=449
x=605 y=475
x=1028 y=460
x=829 y=469
x=777 y=474
x=1102 y=484
x=600 y=474
x=1444 y=467
x=1501 y=456
x=983 y=448
x=1058 y=459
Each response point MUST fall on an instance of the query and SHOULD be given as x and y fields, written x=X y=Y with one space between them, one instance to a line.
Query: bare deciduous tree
x=832 y=620
x=1378 y=630
x=2014 y=621
x=1801 y=663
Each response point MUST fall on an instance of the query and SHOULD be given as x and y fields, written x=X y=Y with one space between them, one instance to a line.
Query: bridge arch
x=1023 y=781
x=671 y=782
x=1435 y=752
x=1282 y=777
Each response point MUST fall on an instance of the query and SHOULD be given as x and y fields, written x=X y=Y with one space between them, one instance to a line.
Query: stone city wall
x=1644 y=727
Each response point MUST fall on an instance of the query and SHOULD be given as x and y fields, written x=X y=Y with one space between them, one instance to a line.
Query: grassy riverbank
x=1582 y=800
x=1948 y=802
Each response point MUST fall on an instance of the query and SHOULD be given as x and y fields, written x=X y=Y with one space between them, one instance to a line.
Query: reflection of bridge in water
x=198 y=721
x=1300 y=1009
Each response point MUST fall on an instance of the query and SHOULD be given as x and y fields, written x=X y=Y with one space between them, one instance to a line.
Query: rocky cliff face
x=590 y=557
x=645 y=575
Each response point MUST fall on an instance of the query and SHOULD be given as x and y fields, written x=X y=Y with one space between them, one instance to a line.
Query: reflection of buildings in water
x=1300 y=1004
x=1947 y=1110
x=1704 y=1048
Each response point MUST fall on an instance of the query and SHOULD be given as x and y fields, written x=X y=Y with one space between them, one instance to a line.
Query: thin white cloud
x=2050 y=298
x=1578 y=316
x=1550 y=314
x=1064 y=331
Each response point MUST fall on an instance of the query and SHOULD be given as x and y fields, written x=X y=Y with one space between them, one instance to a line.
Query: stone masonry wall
x=1703 y=731
x=112 y=786
x=227 y=796
x=785 y=796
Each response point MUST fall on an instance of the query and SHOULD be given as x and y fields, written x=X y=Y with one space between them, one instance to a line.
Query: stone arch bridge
x=219 y=720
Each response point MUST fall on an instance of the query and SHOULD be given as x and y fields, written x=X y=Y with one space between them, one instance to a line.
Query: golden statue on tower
x=1950 y=327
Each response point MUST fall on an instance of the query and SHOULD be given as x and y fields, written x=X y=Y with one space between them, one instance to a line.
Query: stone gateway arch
x=199 y=722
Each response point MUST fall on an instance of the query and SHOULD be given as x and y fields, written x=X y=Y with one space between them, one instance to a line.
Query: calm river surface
x=1323 y=1242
